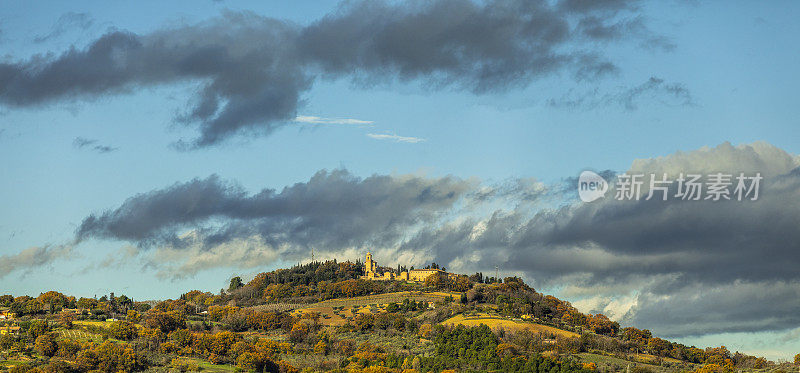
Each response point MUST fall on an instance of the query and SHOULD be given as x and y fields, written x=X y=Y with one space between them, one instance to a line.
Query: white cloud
x=396 y=138
x=320 y=120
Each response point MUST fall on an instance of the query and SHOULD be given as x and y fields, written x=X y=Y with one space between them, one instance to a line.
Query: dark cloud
x=478 y=48
x=84 y=143
x=332 y=210
x=736 y=307
x=67 y=21
x=711 y=262
x=597 y=6
x=253 y=70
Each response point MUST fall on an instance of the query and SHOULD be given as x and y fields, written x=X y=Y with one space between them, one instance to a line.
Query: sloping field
x=102 y=324
x=277 y=307
x=79 y=335
x=335 y=312
x=329 y=316
x=653 y=359
x=501 y=322
x=381 y=299
x=205 y=366
x=614 y=361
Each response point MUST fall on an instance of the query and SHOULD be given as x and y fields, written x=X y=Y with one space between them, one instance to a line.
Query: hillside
x=324 y=317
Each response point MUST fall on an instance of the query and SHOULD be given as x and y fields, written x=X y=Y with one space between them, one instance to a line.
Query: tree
x=6 y=300
x=134 y=316
x=46 y=344
x=256 y=362
x=123 y=330
x=236 y=283
x=321 y=348
x=435 y=280
x=6 y=341
x=65 y=319
x=37 y=328
x=124 y=302
x=165 y=321
x=299 y=332
x=364 y=321
x=797 y=359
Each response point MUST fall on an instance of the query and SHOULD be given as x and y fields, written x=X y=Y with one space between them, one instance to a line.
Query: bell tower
x=369 y=264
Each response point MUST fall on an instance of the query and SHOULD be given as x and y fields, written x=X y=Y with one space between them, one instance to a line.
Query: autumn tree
x=321 y=347
x=165 y=321
x=299 y=332
x=134 y=316
x=38 y=327
x=65 y=319
x=124 y=330
x=46 y=344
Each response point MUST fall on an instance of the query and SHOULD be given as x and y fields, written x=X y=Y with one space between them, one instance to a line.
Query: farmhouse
x=6 y=315
x=373 y=272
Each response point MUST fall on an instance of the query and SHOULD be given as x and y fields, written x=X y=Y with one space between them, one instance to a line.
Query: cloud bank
x=251 y=71
x=333 y=210
x=708 y=263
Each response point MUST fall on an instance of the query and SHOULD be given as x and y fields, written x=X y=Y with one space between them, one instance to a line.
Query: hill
x=322 y=316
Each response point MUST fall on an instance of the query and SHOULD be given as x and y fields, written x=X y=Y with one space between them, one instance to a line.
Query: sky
x=154 y=148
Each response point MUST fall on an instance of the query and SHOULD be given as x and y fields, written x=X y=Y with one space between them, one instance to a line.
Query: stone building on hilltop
x=373 y=272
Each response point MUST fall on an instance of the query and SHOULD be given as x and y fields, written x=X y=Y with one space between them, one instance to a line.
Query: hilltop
x=331 y=316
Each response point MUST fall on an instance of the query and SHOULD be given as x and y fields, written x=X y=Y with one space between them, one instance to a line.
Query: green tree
x=38 y=327
x=6 y=341
x=6 y=300
x=236 y=283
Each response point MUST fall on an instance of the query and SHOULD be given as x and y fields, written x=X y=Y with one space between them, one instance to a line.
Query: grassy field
x=277 y=307
x=10 y=363
x=102 y=324
x=206 y=366
x=614 y=361
x=380 y=300
x=329 y=315
x=405 y=342
x=653 y=359
x=495 y=322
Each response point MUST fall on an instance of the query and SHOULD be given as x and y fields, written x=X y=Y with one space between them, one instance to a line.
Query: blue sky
x=735 y=61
